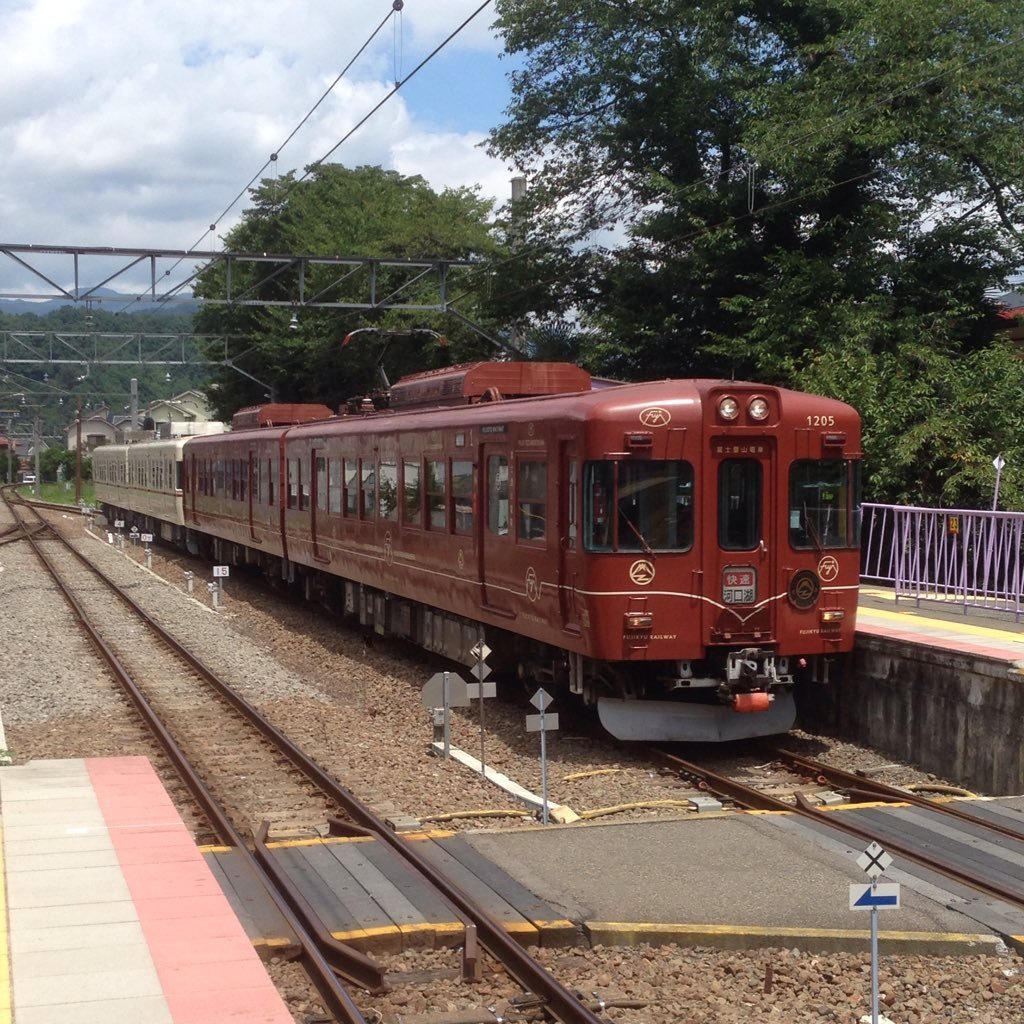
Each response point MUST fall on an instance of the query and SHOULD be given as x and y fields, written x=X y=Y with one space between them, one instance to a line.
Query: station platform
x=108 y=911
x=982 y=632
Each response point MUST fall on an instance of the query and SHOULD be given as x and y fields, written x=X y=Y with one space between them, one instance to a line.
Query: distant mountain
x=109 y=301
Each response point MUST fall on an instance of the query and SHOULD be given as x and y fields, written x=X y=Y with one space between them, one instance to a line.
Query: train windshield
x=638 y=506
x=824 y=503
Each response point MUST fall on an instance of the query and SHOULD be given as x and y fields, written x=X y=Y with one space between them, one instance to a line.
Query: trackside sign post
x=541 y=723
x=444 y=691
x=874 y=896
x=479 y=690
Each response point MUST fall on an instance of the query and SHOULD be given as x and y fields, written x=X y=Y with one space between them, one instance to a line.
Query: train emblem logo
x=532 y=584
x=828 y=569
x=641 y=572
x=654 y=416
x=389 y=549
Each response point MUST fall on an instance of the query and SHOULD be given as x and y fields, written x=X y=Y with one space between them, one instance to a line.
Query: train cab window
x=739 y=504
x=532 y=498
x=820 y=499
x=387 y=492
x=334 y=486
x=368 y=478
x=462 y=495
x=351 y=471
x=412 y=503
x=437 y=505
x=638 y=505
x=497 y=494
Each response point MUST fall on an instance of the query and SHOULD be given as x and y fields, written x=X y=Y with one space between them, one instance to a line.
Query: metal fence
x=962 y=557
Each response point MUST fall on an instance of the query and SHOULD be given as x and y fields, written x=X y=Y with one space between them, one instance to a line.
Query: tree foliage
x=782 y=180
x=337 y=211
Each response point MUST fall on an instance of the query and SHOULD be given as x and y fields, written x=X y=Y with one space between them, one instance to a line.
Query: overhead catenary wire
x=396 y=7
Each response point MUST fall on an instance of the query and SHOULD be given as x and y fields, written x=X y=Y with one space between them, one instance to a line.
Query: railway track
x=980 y=849
x=213 y=749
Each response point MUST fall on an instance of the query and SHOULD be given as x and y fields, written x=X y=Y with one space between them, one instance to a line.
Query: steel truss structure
x=430 y=277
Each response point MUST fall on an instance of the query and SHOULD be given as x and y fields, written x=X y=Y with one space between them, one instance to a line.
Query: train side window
x=412 y=496
x=739 y=504
x=531 y=498
x=497 y=494
x=462 y=495
x=243 y=479
x=334 y=485
x=271 y=481
x=351 y=471
x=321 y=483
x=369 y=489
x=388 y=490
x=293 y=483
x=437 y=508
x=819 y=503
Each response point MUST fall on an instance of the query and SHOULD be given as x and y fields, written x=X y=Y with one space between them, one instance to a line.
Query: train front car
x=719 y=561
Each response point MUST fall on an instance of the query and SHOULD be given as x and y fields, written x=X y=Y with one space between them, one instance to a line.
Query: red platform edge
x=207 y=966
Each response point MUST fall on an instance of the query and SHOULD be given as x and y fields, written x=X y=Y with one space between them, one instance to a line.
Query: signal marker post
x=541 y=700
x=444 y=691
x=874 y=896
x=480 y=690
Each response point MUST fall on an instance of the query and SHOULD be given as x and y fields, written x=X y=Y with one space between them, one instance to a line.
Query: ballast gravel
x=355 y=703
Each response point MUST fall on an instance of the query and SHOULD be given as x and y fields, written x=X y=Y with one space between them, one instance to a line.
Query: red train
x=676 y=553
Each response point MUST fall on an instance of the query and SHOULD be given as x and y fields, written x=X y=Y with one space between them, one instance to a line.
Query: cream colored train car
x=141 y=483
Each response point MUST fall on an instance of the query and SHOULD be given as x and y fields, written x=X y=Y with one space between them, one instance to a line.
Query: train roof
x=468 y=383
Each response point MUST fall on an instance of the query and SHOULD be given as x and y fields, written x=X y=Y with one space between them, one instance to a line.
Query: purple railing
x=961 y=557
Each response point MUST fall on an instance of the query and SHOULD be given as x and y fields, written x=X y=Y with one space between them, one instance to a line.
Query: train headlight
x=832 y=615
x=758 y=409
x=728 y=408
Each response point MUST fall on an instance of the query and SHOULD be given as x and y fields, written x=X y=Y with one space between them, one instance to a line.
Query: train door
x=191 y=486
x=739 y=557
x=568 y=490
x=317 y=500
x=495 y=541
x=252 y=495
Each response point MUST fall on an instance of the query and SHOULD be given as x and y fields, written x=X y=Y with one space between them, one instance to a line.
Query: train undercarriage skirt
x=680 y=722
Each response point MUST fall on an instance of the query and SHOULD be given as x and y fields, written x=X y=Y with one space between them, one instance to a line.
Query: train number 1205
x=821 y=421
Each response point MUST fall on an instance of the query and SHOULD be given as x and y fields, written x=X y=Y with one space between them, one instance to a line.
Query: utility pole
x=36 y=435
x=78 y=453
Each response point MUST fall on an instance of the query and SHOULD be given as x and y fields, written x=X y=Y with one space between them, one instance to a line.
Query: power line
x=396 y=7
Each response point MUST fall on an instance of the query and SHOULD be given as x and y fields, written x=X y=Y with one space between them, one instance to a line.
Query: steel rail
x=323 y=973
x=559 y=1000
x=749 y=798
x=858 y=786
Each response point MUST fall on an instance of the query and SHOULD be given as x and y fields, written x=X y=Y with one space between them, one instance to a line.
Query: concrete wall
x=959 y=716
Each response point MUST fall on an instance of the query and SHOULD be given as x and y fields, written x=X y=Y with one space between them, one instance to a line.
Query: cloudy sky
x=134 y=124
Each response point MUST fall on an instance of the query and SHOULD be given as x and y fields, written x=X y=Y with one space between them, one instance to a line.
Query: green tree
x=361 y=212
x=779 y=180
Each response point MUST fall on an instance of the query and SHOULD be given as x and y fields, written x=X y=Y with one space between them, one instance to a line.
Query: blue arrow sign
x=883 y=896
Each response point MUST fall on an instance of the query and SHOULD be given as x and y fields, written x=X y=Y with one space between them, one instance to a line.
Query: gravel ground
x=357 y=708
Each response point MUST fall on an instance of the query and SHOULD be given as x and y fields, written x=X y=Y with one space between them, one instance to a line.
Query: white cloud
x=125 y=123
